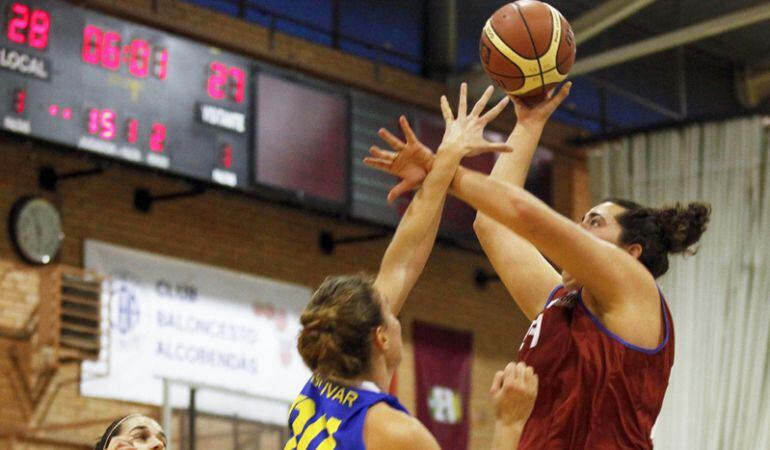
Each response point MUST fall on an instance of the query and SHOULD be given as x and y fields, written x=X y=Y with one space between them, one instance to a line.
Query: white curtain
x=719 y=392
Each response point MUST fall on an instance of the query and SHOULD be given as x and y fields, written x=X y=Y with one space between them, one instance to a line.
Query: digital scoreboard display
x=83 y=79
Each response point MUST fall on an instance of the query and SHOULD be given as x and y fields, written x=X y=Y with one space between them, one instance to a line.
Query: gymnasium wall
x=236 y=232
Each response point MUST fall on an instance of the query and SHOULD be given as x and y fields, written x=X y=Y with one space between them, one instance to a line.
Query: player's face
x=599 y=221
x=143 y=433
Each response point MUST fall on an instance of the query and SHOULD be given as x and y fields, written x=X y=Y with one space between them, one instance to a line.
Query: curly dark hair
x=660 y=231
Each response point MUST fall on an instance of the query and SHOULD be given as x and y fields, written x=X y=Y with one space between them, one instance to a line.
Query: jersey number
x=303 y=434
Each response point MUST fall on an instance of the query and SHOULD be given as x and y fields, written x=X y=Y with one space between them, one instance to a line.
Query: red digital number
x=226 y=82
x=227 y=156
x=111 y=50
x=239 y=84
x=28 y=26
x=132 y=131
x=20 y=101
x=92 y=45
x=102 y=123
x=103 y=47
x=139 y=59
x=38 y=30
x=161 y=63
x=217 y=81
x=93 y=121
x=18 y=24
x=158 y=138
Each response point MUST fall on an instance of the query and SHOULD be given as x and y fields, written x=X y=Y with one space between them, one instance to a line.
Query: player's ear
x=380 y=338
x=635 y=250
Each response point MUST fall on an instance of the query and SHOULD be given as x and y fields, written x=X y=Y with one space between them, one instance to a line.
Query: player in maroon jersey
x=602 y=338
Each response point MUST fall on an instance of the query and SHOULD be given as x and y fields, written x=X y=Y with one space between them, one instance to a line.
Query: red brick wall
x=236 y=232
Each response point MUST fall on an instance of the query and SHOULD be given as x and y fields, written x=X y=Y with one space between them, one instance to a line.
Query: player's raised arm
x=528 y=277
x=612 y=275
x=410 y=247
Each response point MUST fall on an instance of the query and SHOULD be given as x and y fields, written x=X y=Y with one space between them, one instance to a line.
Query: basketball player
x=602 y=338
x=351 y=338
x=132 y=432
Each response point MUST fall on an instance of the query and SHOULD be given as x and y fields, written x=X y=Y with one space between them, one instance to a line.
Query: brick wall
x=232 y=231
x=229 y=230
x=571 y=189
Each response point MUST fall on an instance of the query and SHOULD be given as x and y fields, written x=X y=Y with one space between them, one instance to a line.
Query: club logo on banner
x=446 y=405
x=128 y=308
x=197 y=324
x=443 y=373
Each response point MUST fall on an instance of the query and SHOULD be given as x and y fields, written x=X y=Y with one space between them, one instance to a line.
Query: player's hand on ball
x=539 y=112
x=464 y=133
x=513 y=393
x=411 y=160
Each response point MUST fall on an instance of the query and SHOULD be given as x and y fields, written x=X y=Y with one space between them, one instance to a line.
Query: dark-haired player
x=601 y=338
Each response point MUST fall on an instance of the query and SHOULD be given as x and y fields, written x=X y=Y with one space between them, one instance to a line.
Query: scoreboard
x=99 y=84
x=86 y=80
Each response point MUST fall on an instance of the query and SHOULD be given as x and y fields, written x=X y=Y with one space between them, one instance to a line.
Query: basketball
x=527 y=47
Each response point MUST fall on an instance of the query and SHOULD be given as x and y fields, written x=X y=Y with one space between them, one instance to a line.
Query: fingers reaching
x=378 y=163
x=377 y=152
x=446 y=110
x=394 y=142
x=482 y=103
x=495 y=111
x=462 y=106
x=407 y=129
x=499 y=147
x=562 y=94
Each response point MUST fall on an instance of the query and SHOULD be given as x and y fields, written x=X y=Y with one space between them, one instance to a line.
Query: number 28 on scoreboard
x=28 y=26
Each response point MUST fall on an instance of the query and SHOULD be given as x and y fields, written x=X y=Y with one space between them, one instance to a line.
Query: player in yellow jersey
x=351 y=338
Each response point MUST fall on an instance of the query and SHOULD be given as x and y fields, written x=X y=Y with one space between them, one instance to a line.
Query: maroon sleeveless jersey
x=596 y=391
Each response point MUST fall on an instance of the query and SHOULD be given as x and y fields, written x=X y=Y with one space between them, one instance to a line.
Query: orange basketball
x=527 y=47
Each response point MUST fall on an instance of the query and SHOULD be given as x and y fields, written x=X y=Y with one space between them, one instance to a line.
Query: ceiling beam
x=604 y=16
x=677 y=38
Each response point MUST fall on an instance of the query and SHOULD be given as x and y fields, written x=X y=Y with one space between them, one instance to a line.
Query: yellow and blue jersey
x=330 y=416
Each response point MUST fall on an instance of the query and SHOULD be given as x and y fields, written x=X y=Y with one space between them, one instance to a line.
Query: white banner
x=197 y=324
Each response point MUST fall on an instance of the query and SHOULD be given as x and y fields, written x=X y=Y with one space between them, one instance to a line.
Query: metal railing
x=335 y=37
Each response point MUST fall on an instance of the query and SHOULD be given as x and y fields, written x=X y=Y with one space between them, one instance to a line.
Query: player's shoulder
x=387 y=428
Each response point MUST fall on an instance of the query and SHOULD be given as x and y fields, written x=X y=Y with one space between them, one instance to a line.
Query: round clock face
x=36 y=230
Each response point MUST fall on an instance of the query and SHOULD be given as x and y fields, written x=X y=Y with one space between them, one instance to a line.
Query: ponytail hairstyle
x=337 y=324
x=660 y=231
x=112 y=431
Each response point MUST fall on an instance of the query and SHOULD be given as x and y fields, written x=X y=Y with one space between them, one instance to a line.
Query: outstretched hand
x=465 y=132
x=411 y=161
x=539 y=112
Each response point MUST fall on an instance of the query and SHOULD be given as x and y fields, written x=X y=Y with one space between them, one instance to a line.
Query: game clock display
x=104 y=85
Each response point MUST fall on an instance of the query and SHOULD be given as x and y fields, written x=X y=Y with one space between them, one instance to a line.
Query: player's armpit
x=386 y=428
